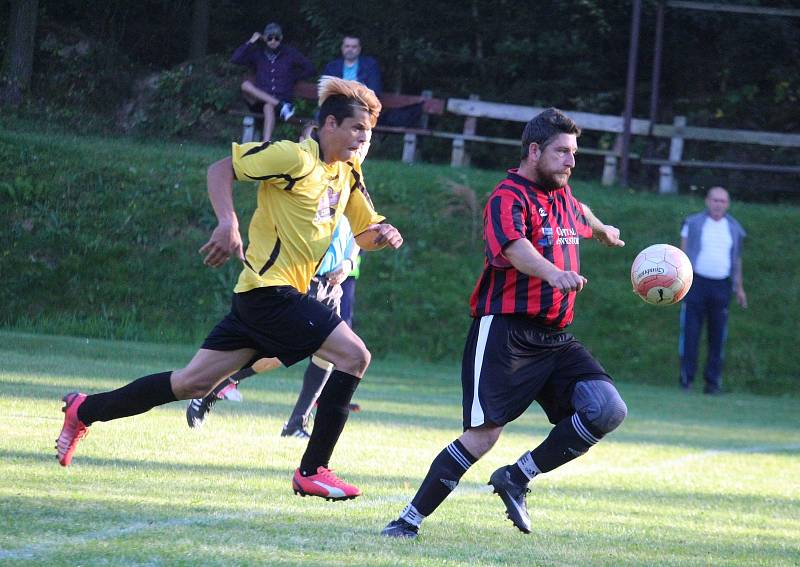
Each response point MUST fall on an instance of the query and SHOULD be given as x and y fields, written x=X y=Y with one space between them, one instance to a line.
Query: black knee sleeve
x=599 y=404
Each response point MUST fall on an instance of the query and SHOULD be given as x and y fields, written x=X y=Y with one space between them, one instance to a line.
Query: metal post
x=657 y=48
x=629 y=89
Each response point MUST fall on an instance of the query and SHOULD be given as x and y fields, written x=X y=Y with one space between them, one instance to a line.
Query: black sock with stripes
x=569 y=439
x=135 y=398
x=333 y=408
x=446 y=470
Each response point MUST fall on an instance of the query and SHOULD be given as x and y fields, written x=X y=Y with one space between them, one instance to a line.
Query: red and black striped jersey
x=553 y=221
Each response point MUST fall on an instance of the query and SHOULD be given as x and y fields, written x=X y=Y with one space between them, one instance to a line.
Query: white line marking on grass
x=715 y=452
x=47 y=548
x=660 y=466
x=28 y=416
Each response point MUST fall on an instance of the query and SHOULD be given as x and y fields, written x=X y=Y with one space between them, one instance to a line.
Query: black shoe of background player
x=197 y=410
x=295 y=427
x=401 y=529
x=513 y=496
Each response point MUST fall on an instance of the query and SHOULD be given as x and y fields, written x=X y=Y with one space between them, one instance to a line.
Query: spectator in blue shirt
x=352 y=66
x=276 y=69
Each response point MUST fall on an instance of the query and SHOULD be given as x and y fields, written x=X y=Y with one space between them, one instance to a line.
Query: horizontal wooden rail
x=725 y=165
x=430 y=105
x=614 y=124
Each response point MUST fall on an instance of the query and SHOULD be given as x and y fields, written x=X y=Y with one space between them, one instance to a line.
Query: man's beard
x=548 y=180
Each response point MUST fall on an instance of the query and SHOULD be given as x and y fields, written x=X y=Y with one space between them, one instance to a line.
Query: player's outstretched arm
x=525 y=258
x=378 y=236
x=605 y=233
x=225 y=241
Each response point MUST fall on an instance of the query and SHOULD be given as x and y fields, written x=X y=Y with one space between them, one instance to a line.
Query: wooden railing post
x=423 y=123
x=610 y=165
x=410 y=140
x=409 y=147
x=666 y=178
x=460 y=157
x=248 y=129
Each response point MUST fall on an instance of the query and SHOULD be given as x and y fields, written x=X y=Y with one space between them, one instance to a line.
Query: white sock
x=527 y=466
x=410 y=515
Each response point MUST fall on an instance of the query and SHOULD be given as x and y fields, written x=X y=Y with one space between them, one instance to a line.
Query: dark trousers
x=708 y=299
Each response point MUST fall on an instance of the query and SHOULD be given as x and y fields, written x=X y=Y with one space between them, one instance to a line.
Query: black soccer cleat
x=295 y=427
x=198 y=409
x=513 y=496
x=401 y=529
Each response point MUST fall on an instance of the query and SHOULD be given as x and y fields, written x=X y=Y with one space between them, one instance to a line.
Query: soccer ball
x=661 y=274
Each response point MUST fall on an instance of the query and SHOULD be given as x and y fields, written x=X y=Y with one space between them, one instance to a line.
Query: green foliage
x=191 y=100
x=75 y=74
x=103 y=237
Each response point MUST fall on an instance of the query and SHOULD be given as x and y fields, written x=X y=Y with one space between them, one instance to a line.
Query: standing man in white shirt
x=713 y=241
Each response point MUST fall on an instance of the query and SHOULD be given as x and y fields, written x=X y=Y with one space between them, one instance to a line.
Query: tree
x=18 y=60
x=200 y=18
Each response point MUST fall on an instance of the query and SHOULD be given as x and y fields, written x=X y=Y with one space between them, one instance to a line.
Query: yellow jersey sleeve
x=359 y=210
x=277 y=163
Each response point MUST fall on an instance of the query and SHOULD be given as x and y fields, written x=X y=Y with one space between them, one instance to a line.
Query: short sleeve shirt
x=553 y=221
x=300 y=201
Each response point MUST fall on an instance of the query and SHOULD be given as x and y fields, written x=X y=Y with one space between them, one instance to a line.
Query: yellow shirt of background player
x=300 y=200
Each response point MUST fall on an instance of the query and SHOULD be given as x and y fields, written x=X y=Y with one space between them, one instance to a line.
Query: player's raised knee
x=600 y=404
x=614 y=413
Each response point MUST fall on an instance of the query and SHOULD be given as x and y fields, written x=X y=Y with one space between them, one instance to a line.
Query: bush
x=190 y=100
x=79 y=81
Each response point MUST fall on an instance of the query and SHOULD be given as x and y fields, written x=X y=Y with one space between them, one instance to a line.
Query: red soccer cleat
x=73 y=430
x=324 y=484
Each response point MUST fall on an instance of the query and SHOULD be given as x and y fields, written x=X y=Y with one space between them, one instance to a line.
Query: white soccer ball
x=661 y=274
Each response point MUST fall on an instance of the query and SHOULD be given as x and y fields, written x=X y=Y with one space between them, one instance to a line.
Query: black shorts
x=275 y=321
x=510 y=362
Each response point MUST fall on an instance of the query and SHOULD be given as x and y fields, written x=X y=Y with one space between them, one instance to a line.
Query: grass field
x=686 y=480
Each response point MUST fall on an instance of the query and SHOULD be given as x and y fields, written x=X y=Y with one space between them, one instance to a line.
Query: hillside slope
x=102 y=238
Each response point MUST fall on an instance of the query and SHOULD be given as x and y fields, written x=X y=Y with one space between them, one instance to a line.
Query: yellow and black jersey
x=300 y=200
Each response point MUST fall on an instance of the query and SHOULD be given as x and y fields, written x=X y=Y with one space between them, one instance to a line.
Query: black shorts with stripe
x=276 y=321
x=510 y=361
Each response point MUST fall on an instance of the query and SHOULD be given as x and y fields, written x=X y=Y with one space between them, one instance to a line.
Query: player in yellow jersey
x=304 y=189
x=326 y=287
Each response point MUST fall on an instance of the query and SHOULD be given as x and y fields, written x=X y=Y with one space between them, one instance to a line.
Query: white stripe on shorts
x=477 y=417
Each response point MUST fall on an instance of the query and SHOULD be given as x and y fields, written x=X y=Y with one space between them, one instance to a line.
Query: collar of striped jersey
x=515 y=176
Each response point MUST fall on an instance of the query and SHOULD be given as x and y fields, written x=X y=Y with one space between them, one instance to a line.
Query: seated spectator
x=276 y=68
x=352 y=66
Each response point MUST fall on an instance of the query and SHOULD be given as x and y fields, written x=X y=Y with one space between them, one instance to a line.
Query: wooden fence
x=473 y=109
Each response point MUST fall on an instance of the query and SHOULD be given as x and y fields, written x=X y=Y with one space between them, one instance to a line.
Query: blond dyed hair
x=360 y=96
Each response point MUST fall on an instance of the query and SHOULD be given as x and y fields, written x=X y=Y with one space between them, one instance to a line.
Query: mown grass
x=686 y=480
x=104 y=236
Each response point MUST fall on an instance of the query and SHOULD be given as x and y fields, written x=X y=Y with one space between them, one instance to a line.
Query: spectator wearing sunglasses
x=276 y=68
